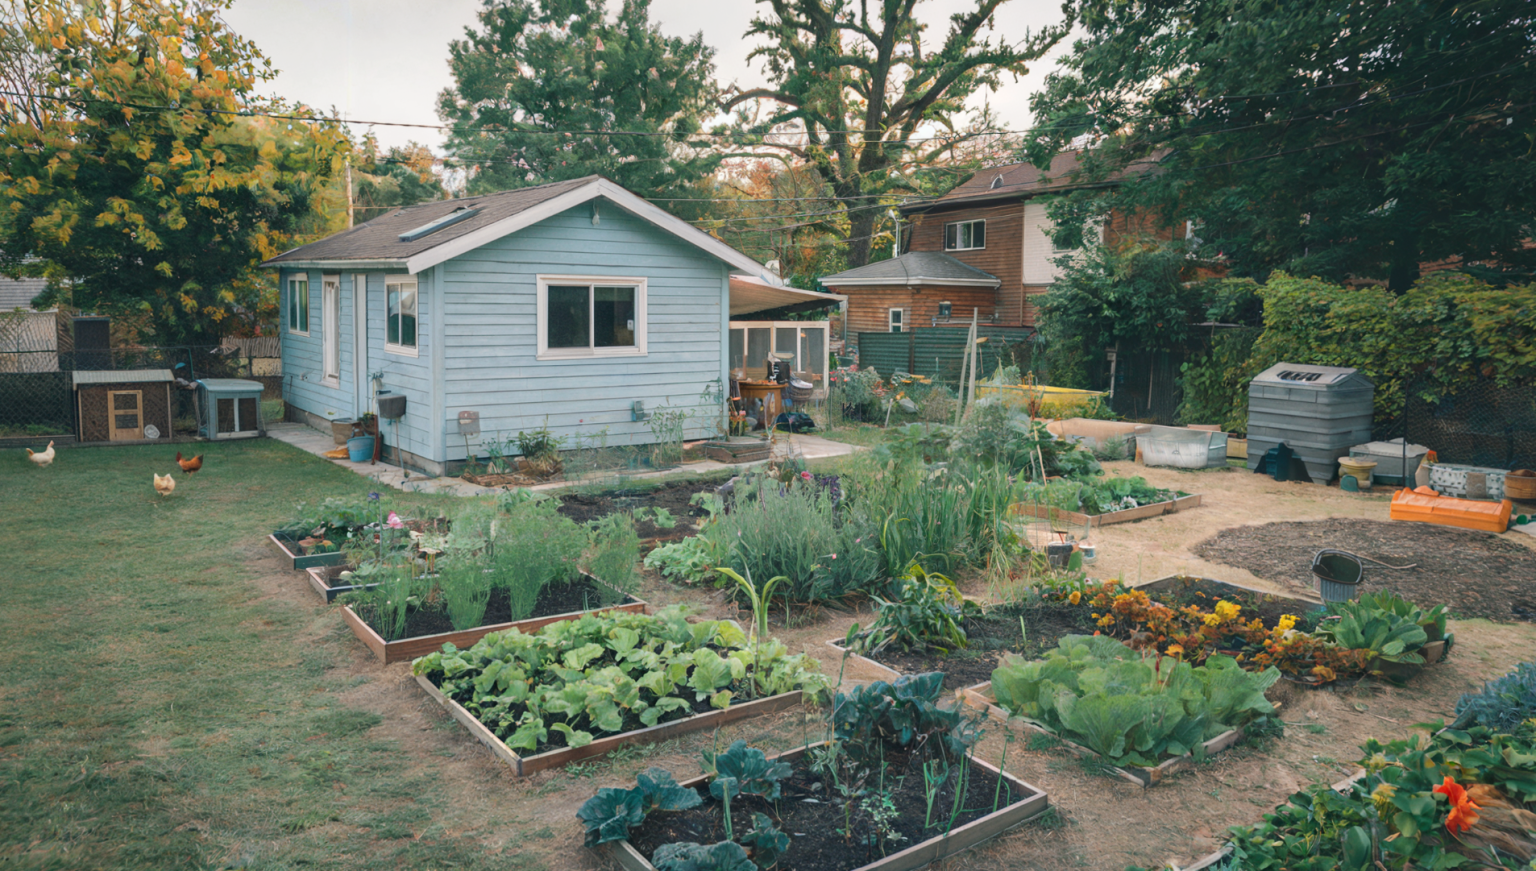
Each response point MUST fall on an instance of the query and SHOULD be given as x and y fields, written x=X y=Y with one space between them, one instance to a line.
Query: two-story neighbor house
x=984 y=246
x=575 y=305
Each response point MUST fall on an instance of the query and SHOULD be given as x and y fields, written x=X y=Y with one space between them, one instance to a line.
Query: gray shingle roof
x=17 y=293
x=1021 y=180
x=914 y=267
x=379 y=239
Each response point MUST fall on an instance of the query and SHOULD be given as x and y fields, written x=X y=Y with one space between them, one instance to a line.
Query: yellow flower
x=1175 y=650
x=1075 y=597
x=1212 y=620
x=1106 y=620
x=1228 y=610
x=1382 y=798
x=1287 y=622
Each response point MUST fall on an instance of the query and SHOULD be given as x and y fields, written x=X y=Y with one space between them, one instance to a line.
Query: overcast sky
x=386 y=60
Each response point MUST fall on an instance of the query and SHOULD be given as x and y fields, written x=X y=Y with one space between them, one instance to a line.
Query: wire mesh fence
x=1478 y=424
x=37 y=390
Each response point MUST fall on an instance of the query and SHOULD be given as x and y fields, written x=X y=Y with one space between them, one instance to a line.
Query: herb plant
x=614 y=556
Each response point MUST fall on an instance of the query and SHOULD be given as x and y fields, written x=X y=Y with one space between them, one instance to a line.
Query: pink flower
x=834 y=556
x=806 y=475
x=394 y=521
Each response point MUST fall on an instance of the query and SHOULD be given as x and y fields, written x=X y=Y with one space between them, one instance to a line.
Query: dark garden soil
x=579 y=595
x=1205 y=593
x=812 y=817
x=1474 y=573
x=582 y=507
x=991 y=636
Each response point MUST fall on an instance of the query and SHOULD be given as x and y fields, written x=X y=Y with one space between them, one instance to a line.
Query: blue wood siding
x=405 y=374
x=303 y=368
x=489 y=342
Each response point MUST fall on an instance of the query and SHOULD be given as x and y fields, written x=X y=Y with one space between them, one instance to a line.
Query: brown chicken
x=189 y=466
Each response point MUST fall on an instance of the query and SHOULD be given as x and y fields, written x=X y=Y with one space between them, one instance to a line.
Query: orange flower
x=1463 y=811
x=1075 y=597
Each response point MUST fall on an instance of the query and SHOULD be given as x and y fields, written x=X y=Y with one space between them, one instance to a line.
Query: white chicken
x=165 y=485
x=41 y=458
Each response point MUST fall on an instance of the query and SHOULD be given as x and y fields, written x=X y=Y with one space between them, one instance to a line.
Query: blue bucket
x=360 y=449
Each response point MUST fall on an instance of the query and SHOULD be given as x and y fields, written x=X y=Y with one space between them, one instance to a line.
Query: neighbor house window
x=590 y=317
x=400 y=326
x=298 y=304
x=897 y=319
x=965 y=235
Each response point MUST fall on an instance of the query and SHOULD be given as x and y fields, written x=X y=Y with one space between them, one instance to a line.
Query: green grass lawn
x=160 y=709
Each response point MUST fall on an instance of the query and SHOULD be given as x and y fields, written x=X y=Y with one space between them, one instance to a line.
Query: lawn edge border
x=972 y=834
x=525 y=765
x=410 y=648
x=1127 y=515
x=979 y=696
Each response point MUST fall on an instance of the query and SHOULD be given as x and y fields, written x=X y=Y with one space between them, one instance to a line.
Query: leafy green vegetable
x=928 y=611
x=1389 y=626
x=688 y=856
x=603 y=674
x=609 y=815
x=898 y=713
x=1131 y=710
x=742 y=769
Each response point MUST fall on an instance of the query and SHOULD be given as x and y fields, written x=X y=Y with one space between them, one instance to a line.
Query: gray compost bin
x=1320 y=411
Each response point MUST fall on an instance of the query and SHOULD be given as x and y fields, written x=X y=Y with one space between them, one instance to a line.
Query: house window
x=897 y=320
x=400 y=325
x=330 y=328
x=965 y=235
x=298 y=304
x=581 y=316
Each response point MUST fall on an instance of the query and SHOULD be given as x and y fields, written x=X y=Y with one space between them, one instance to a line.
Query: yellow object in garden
x=1042 y=401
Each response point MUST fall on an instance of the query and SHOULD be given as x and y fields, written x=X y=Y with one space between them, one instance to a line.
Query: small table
x=767 y=393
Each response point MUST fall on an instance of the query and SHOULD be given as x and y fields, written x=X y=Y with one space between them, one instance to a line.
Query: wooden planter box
x=1140 y=512
x=886 y=673
x=981 y=697
x=300 y=561
x=743 y=449
x=1032 y=803
x=524 y=765
x=320 y=578
x=410 y=648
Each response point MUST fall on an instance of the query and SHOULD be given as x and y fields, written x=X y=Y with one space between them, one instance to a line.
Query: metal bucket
x=1337 y=574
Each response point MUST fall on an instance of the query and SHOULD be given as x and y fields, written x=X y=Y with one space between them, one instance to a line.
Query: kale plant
x=1503 y=704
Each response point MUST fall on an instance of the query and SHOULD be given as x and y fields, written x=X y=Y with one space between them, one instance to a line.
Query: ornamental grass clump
x=1131 y=708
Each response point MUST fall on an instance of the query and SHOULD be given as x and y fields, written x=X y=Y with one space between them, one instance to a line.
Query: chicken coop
x=229 y=408
x=123 y=405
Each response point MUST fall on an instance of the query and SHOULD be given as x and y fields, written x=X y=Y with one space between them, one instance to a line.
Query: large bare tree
x=872 y=100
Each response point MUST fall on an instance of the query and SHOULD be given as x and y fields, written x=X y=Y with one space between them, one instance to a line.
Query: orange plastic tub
x=1450 y=511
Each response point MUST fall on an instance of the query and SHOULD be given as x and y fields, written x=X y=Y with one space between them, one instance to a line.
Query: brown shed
x=122 y=406
x=917 y=289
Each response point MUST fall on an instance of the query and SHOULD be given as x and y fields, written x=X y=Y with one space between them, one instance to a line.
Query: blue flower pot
x=360 y=449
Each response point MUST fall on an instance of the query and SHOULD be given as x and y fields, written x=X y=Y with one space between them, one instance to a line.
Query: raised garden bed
x=982 y=698
x=1178 y=590
x=674 y=498
x=554 y=604
x=995 y=632
x=326 y=581
x=560 y=757
x=1140 y=512
x=816 y=846
x=298 y=557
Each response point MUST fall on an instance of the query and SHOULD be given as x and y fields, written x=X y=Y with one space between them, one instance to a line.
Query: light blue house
x=566 y=303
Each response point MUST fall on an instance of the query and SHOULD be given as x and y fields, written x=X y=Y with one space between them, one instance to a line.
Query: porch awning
x=749 y=296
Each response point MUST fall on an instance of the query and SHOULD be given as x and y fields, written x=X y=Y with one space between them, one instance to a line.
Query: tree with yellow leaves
x=141 y=173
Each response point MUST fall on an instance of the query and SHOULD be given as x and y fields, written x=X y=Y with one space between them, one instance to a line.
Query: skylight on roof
x=448 y=220
x=997 y=183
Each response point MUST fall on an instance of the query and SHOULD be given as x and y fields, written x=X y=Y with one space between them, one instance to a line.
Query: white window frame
x=393 y=347
x=544 y=352
x=294 y=294
x=330 y=330
x=957 y=225
x=896 y=320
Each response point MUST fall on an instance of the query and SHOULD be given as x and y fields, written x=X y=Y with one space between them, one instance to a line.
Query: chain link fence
x=1479 y=424
x=37 y=393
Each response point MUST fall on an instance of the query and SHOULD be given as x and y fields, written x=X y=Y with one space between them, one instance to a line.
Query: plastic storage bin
x=1388 y=457
x=1183 y=448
